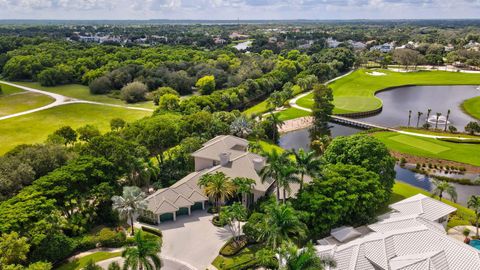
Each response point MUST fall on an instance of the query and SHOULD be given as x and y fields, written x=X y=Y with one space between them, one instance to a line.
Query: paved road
x=60 y=100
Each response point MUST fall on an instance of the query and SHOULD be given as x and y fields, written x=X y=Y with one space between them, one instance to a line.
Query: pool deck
x=457 y=232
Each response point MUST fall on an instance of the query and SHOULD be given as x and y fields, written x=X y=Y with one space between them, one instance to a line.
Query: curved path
x=305 y=120
x=60 y=100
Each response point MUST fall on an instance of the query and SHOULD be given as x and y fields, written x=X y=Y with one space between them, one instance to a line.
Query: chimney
x=258 y=164
x=224 y=158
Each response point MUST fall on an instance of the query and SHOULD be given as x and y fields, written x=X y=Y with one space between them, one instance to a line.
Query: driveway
x=193 y=239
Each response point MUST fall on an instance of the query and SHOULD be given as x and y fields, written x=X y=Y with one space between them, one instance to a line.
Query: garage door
x=182 y=211
x=166 y=217
x=197 y=206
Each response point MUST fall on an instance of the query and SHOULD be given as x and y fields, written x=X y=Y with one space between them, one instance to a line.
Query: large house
x=411 y=237
x=226 y=154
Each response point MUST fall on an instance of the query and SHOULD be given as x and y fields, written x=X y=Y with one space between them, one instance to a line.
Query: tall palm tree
x=304 y=259
x=131 y=201
x=144 y=254
x=474 y=203
x=444 y=186
x=273 y=163
x=243 y=186
x=218 y=187
x=436 y=120
x=428 y=115
x=446 y=122
x=419 y=114
x=320 y=144
x=281 y=223
x=307 y=164
x=409 y=117
x=287 y=174
x=276 y=123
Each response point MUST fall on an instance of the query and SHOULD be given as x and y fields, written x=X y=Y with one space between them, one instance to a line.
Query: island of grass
x=431 y=148
x=35 y=127
x=472 y=107
x=14 y=100
x=356 y=92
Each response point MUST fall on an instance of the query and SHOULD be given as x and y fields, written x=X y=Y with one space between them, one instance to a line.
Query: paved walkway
x=60 y=100
x=457 y=232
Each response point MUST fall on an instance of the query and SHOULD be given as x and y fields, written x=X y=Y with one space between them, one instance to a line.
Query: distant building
x=385 y=48
x=272 y=40
x=449 y=48
x=238 y=36
x=357 y=45
x=219 y=40
x=332 y=43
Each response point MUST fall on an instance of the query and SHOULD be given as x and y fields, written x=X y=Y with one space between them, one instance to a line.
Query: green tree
x=117 y=124
x=134 y=92
x=275 y=122
x=322 y=111
x=365 y=151
x=131 y=201
x=161 y=91
x=287 y=174
x=243 y=186
x=87 y=132
x=436 y=119
x=114 y=266
x=92 y=266
x=144 y=254
x=101 y=85
x=169 y=102
x=472 y=127
x=271 y=170
x=67 y=133
x=233 y=215
x=14 y=249
x=419 y=114
x=217 y=186
x=206 y=84
x=266 y=258
x=442 y=187
x=306 y=163
x=304 y=259
x=241 y=127
x=474 y=204
x=281 y=223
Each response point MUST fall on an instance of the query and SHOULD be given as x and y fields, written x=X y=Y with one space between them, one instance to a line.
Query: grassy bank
x=432 y=148
x=356 y=92
x=472 y=107
x=35 y=127
x=82 y=92
x=95 y=257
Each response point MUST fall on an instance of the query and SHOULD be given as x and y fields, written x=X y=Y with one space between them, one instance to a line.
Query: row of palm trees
x=429 y=111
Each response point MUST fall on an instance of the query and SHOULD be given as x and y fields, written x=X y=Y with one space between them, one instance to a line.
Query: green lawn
x=22 y=101
x=82 y=262
x=8 y=89
x=439 y=133
x=292 y=113
x=472 y=107
x=35 y=127
x=355 y=92
x=257 y=109
x=427 y=147
x=403 y=190
x=82 y=92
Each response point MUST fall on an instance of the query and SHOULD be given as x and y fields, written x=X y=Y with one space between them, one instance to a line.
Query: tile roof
x=224 y=143
x=405 y=242
x=423 y=206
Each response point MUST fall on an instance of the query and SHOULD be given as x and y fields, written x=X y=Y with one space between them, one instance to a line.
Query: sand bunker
x=375 y=73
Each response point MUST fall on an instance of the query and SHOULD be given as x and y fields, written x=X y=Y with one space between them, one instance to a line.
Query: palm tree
x=143 y=254
x=241 y=127
x=276 y=123
x=281 y=223
x=218 y=187
x=266 y=258
x=436 y=120
x=243 y=186
x=307 y=164
x=446 y=122
x=444 y=186
x=428 y=115
x=409 y=117
x=474 y=203
x=287 y=174
x=273 y=163
x=419 y=114
x=304 y=259
x=233 y=215
x=320 y=144
x=129 y=203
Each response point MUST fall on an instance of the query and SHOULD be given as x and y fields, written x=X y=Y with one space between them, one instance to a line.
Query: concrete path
x=60 y=100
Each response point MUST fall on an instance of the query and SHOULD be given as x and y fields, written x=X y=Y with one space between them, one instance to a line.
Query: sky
x=239 y=9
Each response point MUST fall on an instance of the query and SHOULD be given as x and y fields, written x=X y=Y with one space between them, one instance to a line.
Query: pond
x=300 y=139
x=243 y=45
x=397 y=102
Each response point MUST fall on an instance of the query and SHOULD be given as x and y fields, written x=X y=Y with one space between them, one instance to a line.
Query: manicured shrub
x=100 y=86
x=154 y=231
x=110 y=238
x=218 y=222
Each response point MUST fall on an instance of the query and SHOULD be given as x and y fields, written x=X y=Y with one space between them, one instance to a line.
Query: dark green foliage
x=53 y=248
x=87 y=133
x=152 y=231
x=322 y=111
x=472 y=127
x=67 y=133
x=231 y=247
x=100 y=85
x=346 y=194
x=134 y=92
x=117 y=124
x=365 y=151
